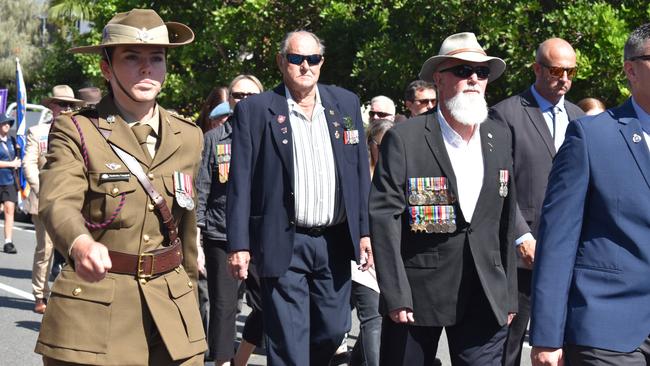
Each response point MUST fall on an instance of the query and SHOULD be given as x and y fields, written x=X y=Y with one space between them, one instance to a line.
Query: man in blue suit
x=298 y=203
x=591 y=282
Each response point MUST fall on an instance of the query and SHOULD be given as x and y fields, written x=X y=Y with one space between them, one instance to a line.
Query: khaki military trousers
x=42 y=260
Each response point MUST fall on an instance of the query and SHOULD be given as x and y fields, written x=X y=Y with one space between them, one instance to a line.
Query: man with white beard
x=442 y=219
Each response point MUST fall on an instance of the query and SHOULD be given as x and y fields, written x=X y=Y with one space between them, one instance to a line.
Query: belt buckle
x=316 y=231
x=141 y=258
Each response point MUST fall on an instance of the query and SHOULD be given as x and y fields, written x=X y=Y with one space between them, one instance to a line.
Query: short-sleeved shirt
x=7 y=153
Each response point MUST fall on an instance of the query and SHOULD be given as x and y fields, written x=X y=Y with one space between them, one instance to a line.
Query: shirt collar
x=452 y=137
x=293 y=105
x=545 y=105
x=641 y=114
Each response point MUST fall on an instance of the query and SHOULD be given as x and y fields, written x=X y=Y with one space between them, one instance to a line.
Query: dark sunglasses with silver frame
x=297 y=59
x=464 y=71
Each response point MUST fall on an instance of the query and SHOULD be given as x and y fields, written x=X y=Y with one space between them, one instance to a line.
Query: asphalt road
x=19 y=325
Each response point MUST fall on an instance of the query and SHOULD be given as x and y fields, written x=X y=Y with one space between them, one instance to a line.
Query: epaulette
x=88 y=112
x=181 y=117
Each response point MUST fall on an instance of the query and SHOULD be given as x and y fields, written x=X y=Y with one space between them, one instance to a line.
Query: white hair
x=468 y=108
x=384 y=100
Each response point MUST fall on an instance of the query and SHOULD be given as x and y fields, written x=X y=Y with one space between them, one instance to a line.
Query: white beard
x=468 y=108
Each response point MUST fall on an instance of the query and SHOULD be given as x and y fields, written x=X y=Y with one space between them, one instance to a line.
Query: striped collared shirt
x=313 y=165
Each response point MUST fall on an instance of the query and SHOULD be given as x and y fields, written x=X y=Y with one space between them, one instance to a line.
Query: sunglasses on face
x=65 y=105
x=641 y=57
x=240 y=95
x=465 y=71
x=558 y=72
x=425 y=101
x=379 y=114
x=297 y=59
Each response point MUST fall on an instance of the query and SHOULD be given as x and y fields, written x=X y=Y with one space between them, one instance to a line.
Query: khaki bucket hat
x=462 y=46
x=140 y=27
x=62 y=93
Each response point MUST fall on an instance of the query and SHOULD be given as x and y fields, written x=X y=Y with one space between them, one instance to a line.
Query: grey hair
x=377 y=127
x=252 y=78
x=384 y=99
x=284 y=45
x=636 y=43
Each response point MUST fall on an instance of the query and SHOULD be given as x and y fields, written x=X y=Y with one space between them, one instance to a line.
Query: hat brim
x=179 y=35
x=497 y=66
x=8 y=120
x=48 y=100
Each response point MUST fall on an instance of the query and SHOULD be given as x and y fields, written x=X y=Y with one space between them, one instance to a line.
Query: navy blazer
x=591 y=281
x=260 y=198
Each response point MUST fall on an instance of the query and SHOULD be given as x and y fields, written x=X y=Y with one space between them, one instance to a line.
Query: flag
x=21 y=125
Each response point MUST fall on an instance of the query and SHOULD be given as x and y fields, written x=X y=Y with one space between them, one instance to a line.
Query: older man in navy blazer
x=297 y=200
x=591 y=282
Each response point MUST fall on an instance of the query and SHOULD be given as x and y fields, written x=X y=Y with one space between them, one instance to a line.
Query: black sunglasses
x=65 y=105
x=557 y=72
x=640 y=57
x=426 y=101
x=465 y=71
x=297 y=59
x=379 y=114
x=241 y=95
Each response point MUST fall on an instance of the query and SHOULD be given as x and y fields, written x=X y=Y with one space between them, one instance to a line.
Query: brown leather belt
x=148 y=264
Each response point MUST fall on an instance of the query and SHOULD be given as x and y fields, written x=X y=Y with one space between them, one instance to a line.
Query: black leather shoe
x=10 y=248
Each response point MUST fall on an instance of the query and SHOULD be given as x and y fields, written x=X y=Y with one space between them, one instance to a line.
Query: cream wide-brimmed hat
x=62 y=93
x=140 y=27
x=462 y=46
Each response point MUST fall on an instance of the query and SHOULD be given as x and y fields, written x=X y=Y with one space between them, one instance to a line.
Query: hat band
x=461 y=50
x=120 y=33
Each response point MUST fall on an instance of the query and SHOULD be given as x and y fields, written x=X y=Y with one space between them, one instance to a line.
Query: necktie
x=142 y=131
x=554 y=112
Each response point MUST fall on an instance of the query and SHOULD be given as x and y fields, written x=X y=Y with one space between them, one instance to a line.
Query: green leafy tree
x=20 y=36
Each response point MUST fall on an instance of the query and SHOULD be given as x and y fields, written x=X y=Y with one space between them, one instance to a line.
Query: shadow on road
x=15 y=273
x=21 y=304
x=29 y=324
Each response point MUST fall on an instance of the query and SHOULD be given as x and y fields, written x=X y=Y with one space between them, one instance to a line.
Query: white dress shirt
x=313 y=165
x=467 y=162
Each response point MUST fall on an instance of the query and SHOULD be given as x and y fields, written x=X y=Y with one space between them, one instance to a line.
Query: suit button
x=146 y=238
x=115 y=190
x=291 y=194
x=150 y=207
x=292 y=222
x=76 y=291
x=189 y=284
x=469 y=231
x=150 y=176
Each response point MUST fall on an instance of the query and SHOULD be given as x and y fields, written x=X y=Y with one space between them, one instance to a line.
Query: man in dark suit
x=442 y=213
x=590 y=290
x=297 y=200
x=537 y=119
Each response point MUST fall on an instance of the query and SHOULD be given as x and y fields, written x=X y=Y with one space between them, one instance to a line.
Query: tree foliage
x=19 y=37
x=373 y=46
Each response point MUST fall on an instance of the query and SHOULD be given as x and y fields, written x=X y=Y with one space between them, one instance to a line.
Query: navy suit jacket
x=260 y=199
x=591 y=281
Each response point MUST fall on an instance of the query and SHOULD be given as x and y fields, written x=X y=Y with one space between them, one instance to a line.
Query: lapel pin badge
x=489 y=135
x=285 y=141
x=337 y=135
x=281 y=118
x=636 y=138
x=284 y=130
x=336 y=124
x=110 y=119
x=331 y=112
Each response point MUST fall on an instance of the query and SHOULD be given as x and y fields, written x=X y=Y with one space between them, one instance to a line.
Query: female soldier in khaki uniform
x=127 y=296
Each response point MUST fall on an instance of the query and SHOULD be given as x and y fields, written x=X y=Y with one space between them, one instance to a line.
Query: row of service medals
x=183 y=190
x=223 y=161
x=430 y=208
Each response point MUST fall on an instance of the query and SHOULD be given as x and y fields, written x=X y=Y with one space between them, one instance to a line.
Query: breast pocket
x=106 y=201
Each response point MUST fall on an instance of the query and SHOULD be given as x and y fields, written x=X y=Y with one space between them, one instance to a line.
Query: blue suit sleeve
x=364 y=175
x=239 y=182
x=560 y=229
